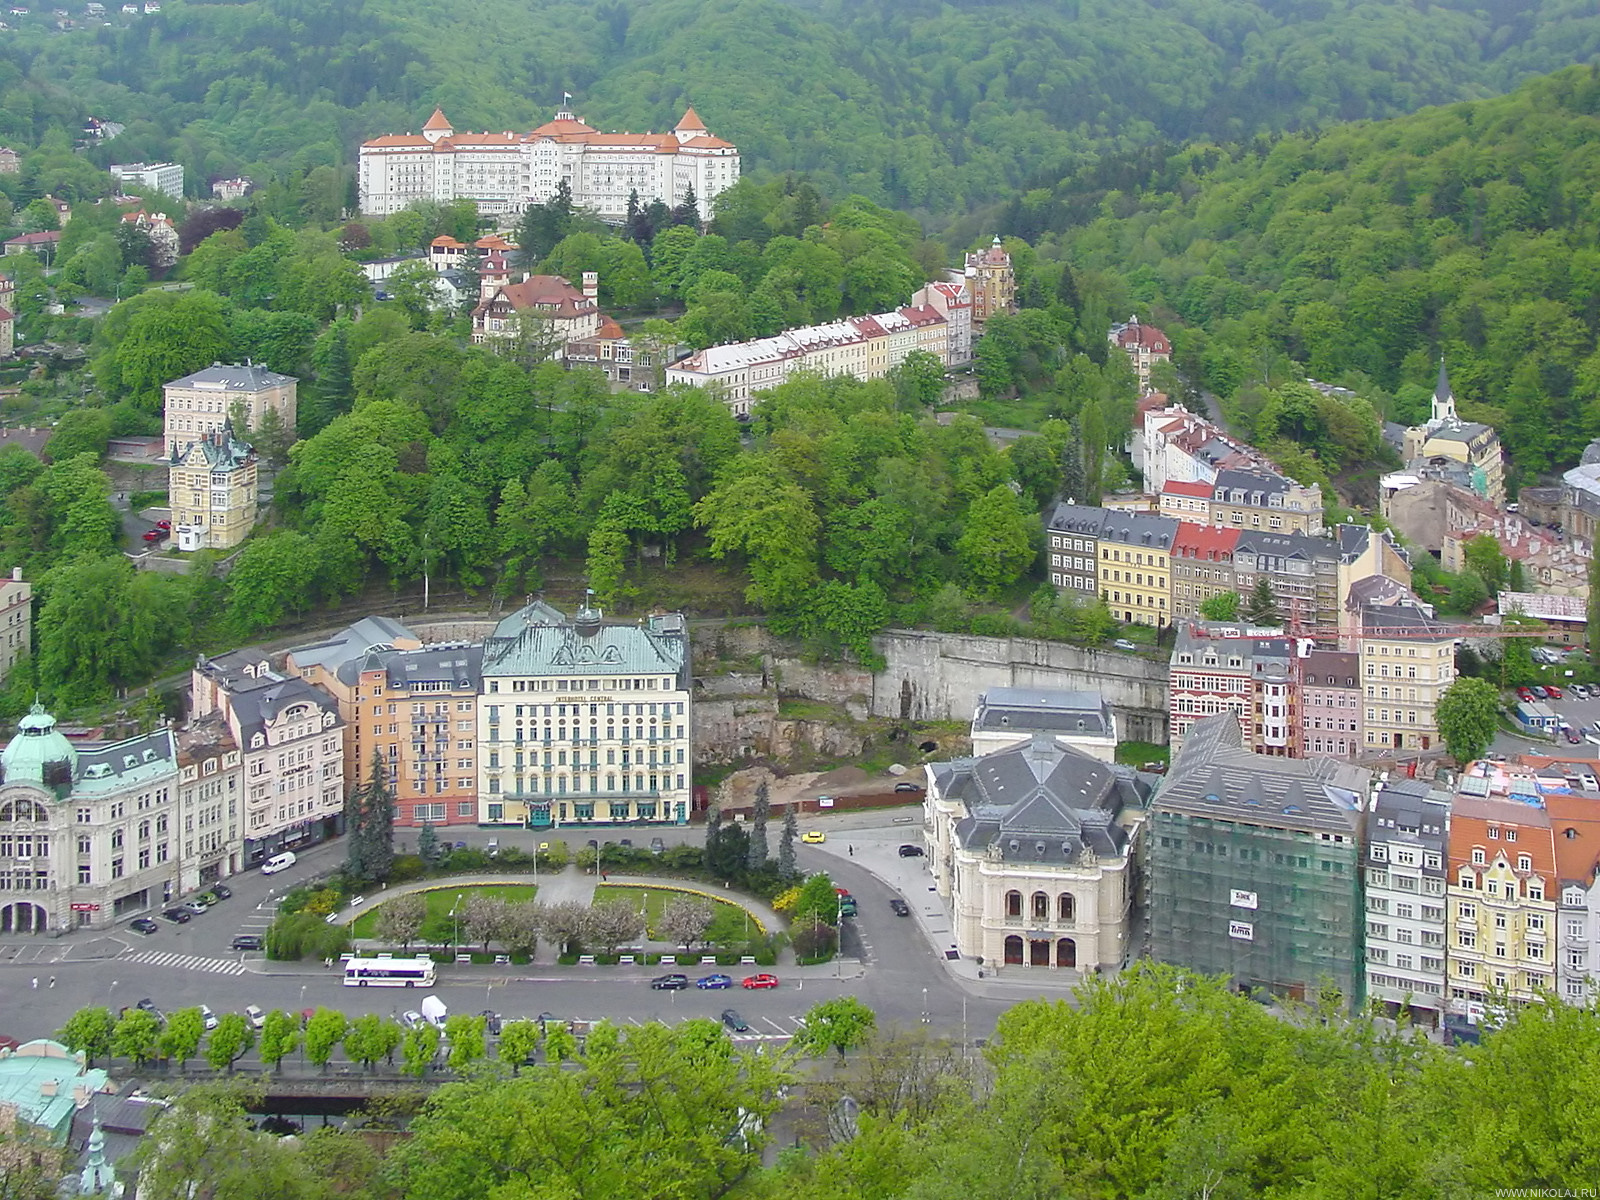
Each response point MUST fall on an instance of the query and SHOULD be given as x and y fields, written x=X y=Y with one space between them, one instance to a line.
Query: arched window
x=1013 y=904
x=1014 y=950
x=1041 y=907
x=1066 y=953
x=1065 y=906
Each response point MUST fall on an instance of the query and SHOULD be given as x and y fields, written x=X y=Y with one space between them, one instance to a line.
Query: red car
x=163 y=524
x=1555 y=692
x=153 y=535
x=1524 y=693
x=763 y=980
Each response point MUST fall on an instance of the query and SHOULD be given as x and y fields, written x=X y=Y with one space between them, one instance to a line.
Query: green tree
x=166 y=336
x=89 y=1030
x=918 y=381
x=467 y=1042
x=180 y=1039
x=371 y=1037
x=400 y=919
x=607 y=561
x=229 y=1041
x=519 y=1043
x=280 y=1033
x=788 y=870
x=428 y=848
x=996 y=547
x=420 y=1047
x=760 y=812
x=272 y=576
x=1483 y=555
x=1224 y=606
x=841 y=1024
x=1468 y=716
x=137 y=1036
x=369 y=825
x=1261 y=607
x=81 y=431
x=323 y=1033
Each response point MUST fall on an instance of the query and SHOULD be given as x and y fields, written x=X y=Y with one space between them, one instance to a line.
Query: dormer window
x=1478 y=858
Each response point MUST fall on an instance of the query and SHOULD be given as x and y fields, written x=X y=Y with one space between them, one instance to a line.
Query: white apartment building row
x=866 y=347
x=505 y=172
x=1408 y=827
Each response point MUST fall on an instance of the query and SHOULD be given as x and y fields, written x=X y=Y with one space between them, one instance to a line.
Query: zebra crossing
x=187 y=962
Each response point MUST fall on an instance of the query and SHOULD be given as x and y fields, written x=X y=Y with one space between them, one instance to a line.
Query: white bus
x=389 y=972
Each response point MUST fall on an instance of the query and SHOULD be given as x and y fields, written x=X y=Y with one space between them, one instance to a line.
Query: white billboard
x=1242 y=930
x=1241 y=899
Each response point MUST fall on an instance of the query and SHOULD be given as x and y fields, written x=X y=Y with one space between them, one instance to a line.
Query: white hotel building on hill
x=506 y=172
x=938 y=322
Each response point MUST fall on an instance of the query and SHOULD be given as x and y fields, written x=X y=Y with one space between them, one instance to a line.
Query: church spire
x=1444 y=401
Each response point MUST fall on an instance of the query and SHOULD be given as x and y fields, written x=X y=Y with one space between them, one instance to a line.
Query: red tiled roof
x=707 y=142
x=396 y=140
x=1210 y=542
x=1175 y=488
x=35 y=239
x=437 y=121
x=1575 y=827
x=1148 y=336
x=1470 y=817
x=448 y=242
x=6 y=315
x=610 y=330
x=560 y=129
x=691 y=120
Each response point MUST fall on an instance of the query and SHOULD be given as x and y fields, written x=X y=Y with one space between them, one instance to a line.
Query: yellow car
x=813 y=837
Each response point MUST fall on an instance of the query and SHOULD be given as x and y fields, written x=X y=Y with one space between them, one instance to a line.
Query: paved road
x=902 y=972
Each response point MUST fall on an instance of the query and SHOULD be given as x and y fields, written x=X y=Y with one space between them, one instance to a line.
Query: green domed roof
x=37 y=742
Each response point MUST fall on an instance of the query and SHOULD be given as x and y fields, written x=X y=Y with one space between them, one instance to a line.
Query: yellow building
x=1136 y=566
x=211 y=486
x=1502 y=903
x=992 y=282
x=1446 y=435
x=1407 y=662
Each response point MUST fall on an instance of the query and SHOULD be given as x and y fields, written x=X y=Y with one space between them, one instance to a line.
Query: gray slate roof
x=1077 y=518
x=1140 y=530
x=539 y=641
x=1042 y=710
x=234 y=378
x=1041 y=802
x=1215 y=776
x=459 y=666
x=367 y=634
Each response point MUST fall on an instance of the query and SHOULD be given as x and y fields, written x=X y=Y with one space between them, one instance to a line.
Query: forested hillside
x=935 y=108
x=1363 y=254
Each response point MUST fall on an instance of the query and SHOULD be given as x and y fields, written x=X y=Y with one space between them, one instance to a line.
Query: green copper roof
x=37 y=742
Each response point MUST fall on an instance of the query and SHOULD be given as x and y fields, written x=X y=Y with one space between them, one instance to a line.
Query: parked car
x=714 y=982
x=493 y=848
x=847 y=906
x=491 y=1021
x=254 y=1014
x=1525 y=694
x=763 y=980
x=193 y=906
x=153 y=535
x=899 y=907
x=412 y=1019
x=910 y=850
x=626 y=842
x=1540 y=694
x=732 y=1019
x=163 y=524
x=143 y=925
x=813 y=837
x=247 y=941
x=207 y=1016
x=222 y=891
x=1573 y=738
x=669 y=983
x=657 y=846
x=205 y=899
x=148 y=1005
x=459 y=846
x=907 y=787
x=178 y=916
x=1555 y=692
x=1581 y=690
x=1124 y=644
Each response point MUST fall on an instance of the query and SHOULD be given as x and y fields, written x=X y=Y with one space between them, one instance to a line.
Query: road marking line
x=775 y=1025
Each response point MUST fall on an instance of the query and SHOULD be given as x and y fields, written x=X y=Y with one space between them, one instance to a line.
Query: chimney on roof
x=591 y=285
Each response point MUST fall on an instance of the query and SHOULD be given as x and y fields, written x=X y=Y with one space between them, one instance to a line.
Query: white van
x=278 y=862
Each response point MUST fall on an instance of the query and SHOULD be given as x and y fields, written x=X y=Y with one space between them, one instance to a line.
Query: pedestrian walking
x=852 y=850
x=52 y=981
x=36 y=983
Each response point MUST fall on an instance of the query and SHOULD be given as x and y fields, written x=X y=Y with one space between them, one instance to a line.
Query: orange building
x=413 y=705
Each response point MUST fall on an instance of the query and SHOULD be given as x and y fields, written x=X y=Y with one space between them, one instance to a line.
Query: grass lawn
x=1134 y=754
x=655 y=901
x=442 y=899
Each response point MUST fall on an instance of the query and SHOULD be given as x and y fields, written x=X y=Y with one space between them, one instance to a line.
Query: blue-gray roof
x=1042 y=710
x=234 y=378
x=539 y=640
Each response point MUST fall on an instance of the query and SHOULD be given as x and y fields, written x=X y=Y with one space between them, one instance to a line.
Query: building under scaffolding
x=1254 y=867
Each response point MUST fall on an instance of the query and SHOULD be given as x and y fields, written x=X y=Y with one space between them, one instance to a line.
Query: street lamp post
x=924 y=1006
x=454 y=909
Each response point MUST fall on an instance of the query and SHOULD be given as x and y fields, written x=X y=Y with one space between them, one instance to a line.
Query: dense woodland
x=933 y=108
x=1155 y=1085
x=1363 y=254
